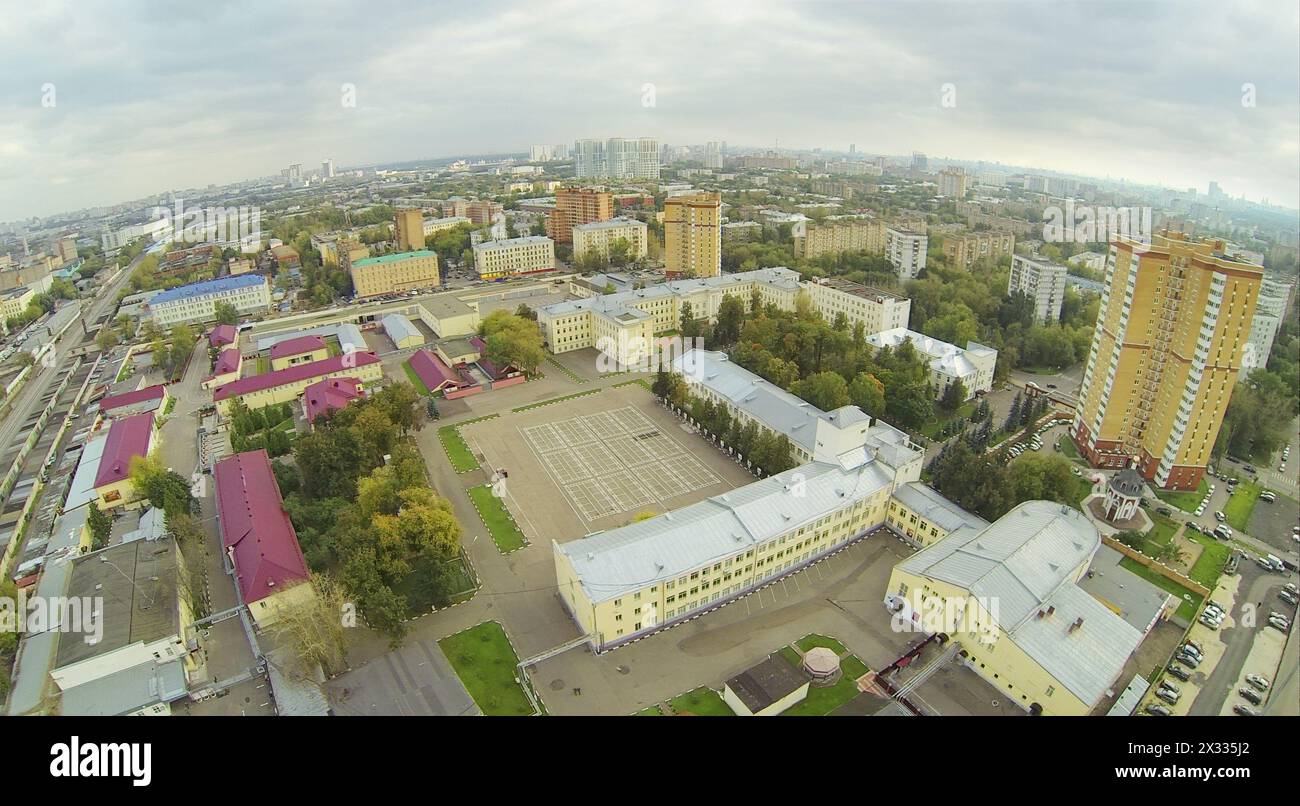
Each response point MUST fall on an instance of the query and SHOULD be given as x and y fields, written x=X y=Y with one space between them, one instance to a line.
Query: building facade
x=514 y=256
x=596 y=238
x=963 y=250
x=409 y=230
x=1168 y=345
x=906 y=251
x=1042 y=281
x=249 y=293
x=693 y=235
x=395 y=273
x=952 y=183
x=575 y=206
x=616 y=158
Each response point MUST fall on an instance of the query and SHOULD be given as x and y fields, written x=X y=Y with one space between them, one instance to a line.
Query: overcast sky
x=156 y=96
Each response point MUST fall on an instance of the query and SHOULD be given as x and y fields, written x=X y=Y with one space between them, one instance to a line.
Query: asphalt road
x=27 y=398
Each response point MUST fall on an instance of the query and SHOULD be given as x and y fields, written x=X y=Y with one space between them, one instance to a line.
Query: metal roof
x=126 y=691
x=610 y=564
x=929 y=504
x=398 y=328
x=220 y=285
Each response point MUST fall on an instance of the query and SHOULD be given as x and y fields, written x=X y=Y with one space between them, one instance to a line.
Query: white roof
x=613 y=563
x=1024 y=563
x=776 y=276
x=398 y=327
x=949 y=359
x=932 y=506
x=82 y=489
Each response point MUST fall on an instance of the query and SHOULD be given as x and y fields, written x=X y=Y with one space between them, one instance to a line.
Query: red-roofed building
x=300 y=350
x=150 y=398
x=329 y=395
x=258 y=537
x=286 y=384
x=128 y=437
x=226 y=370
x=435 y=375
x=222 y=335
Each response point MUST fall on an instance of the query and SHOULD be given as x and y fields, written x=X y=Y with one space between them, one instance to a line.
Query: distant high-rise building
x=574 y=206
x=693 y=235
x=410 y=230
x=920 y=162
x=853 y=149
x=712 y=155
x=1043 y=281
x=616 y=158
x=327 y=169
x=1216 y=192
x=560 y=151
x=952 y=183
x=66 y=248
x=540 y=153
x=1168 y=345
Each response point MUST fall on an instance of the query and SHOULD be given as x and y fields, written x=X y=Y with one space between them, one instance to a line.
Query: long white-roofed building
x=948 y=363
x=1008 y=595
x=627 y=582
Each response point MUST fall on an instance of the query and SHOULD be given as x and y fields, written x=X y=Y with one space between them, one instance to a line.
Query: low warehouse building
x=286 y=384
x=767 y=689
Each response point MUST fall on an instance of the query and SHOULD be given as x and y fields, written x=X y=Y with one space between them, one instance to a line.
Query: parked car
x=1167 y=686
x=1179 y=672
x=1267 y=497
x=1168 y=696
x=1250 y=696
x=1156 y=709
x=1289 y=597
x=1243 y=710
x=1291 y=586
x=1220 y=517
x=1258 y=682
x=1282 y=625
x=1188 y=659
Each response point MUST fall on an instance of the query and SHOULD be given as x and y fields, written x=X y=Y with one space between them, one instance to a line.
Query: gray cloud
x=157 y=96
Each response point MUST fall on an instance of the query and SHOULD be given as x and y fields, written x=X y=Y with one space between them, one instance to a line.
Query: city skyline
x=212 y=100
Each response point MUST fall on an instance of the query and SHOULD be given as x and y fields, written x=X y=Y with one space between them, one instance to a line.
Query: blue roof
x=208 y=287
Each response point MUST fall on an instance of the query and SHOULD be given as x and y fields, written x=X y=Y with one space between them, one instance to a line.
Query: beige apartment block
x=597 y=237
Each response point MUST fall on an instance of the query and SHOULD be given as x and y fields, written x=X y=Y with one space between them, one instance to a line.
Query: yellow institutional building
x=287 y=384
x=1007 y=595
x=597 y=237
x=693 y=235
x=1174 y=323
x=395 y=273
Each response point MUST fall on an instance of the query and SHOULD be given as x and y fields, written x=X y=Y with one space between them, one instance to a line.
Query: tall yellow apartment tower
x=410 y=230
x=693 y=235
x=1174 y=322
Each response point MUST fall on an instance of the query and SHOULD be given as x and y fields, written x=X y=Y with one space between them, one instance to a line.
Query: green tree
x=100 y=525
x=226 y=313
x=825 y=390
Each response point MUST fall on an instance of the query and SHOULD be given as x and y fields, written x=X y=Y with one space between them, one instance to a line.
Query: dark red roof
x=155 y=392
x=222 y=335
x=433 y=373
x=494 y=372
x=255 y=530
x=297 y=346
x=325 y=396
x=127 y=438
x=301 y=372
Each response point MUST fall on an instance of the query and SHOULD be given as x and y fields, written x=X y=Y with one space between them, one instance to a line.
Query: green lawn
x=1082 y=489
x=263 y=365
x=1188 y=607
x=1209 y=566
x=1160 y=534
x=1068 y=450
x=701 y=702
x=931 y=427
x=457 y=450
x=814 y=640
x=789 y=653
x=1241 y=504
x=541 y=403
x=421 y=595
x=821 y=701
x=486 y=664
x=638 y=382
x=415 y=379
x=1187 y=502
x=505 y=532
